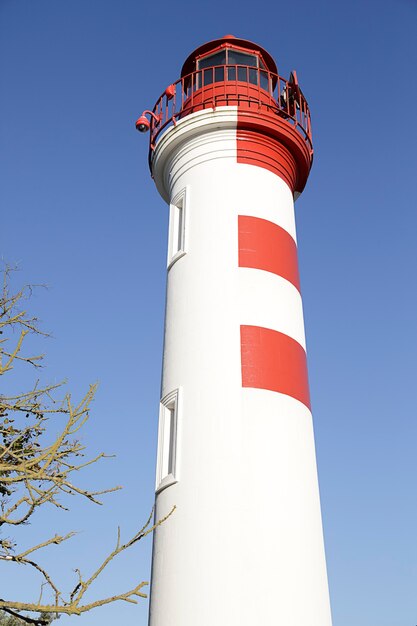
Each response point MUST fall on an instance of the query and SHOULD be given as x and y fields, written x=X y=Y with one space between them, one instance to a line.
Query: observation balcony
x=247 y=87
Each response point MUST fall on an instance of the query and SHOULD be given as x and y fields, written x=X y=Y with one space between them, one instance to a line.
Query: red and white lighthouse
x=230 y=149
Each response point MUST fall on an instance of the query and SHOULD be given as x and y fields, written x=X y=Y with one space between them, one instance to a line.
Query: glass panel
x=172 y=438
x=197 y=81
x=214 y=59
x=213 y=72
x=180 y=228
x=218 y=74
x=253 y=76
x=242 y=74
x=264 y=80
x=231 y=73
x=239 y=58
x=165 y=442
x=208 y=76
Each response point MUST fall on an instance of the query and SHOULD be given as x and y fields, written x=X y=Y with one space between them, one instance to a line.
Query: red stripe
x=255 y=149
x=269 y=141
x=274 y=361
x=266 y=246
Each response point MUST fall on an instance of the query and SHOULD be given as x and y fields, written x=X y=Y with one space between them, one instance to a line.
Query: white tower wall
x=244 y=545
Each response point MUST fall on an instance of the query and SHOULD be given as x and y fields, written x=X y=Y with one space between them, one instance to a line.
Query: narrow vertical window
x=176 y=243
x=167 y=443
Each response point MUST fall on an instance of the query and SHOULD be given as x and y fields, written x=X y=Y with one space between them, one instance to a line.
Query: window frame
x=255 y=53
x=260 y=68
x=177 y=227
x=167 y=459
x=208 y=56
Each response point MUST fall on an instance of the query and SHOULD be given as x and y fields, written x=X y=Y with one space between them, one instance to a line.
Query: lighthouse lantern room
x=230 y=150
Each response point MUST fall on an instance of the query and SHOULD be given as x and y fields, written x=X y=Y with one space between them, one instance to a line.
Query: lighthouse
x=230 y=151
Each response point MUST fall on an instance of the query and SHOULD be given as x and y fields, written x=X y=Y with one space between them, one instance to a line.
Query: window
x=176 y=242
x=244 y=74
x=166 y=471
x=212 y=73
x=218 y=58
x=240 y=58
x=247 y=68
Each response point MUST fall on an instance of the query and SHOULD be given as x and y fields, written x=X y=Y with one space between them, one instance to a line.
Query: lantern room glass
x=243 y=67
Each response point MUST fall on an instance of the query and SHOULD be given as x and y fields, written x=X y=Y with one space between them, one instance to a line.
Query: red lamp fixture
x=143 y=124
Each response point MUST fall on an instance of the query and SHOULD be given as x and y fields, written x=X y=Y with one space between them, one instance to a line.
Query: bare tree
x=40 y=452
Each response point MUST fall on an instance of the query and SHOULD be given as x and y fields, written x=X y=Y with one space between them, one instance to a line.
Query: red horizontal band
x=255 y=149
x=267 y=140
x=266 y=246
x=274 y=361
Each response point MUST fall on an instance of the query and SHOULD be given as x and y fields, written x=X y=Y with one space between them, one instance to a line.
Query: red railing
x=232 y=85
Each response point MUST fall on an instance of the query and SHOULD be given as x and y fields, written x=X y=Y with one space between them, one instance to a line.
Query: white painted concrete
x=244 y=546
x=270 y=301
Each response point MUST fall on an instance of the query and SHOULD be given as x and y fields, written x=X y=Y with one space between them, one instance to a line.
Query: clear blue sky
x=80 y=213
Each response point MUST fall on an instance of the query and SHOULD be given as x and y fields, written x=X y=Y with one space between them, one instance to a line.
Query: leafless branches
x=73 y=603
x=40 y=459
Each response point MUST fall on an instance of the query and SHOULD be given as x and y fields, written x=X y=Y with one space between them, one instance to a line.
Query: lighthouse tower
x=230 y=150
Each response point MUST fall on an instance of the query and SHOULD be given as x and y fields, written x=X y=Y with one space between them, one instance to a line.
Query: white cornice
x=199 y=137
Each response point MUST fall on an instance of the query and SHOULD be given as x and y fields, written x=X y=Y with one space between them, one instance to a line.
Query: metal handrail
x=224 y=84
